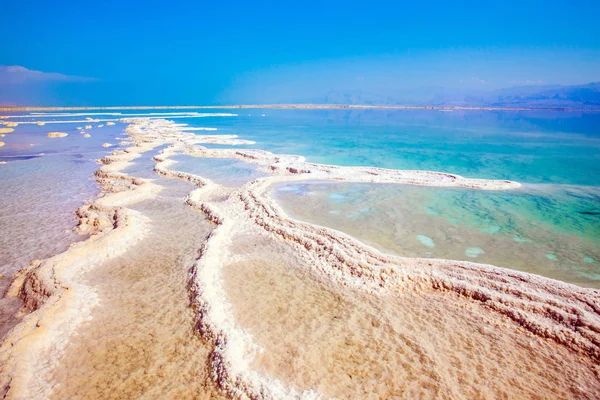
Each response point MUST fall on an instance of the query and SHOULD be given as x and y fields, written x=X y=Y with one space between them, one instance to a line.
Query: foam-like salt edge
x=122 y=115
x=53 y=290
x=127 y=116
x=564 y=313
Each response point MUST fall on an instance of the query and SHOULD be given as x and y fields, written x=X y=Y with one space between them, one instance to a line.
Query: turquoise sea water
x=532 y=147
x=550 y=230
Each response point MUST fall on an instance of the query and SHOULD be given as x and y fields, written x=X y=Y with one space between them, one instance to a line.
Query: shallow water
x=222 y=171
x=532 y=147
x=347 y=344
x=141 y=341
x=550 y=230
x=42 y=183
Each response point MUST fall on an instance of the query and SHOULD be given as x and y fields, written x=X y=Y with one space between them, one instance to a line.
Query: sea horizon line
x=298 y=106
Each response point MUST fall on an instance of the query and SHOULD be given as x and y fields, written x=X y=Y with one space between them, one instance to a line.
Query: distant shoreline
x=298 y=106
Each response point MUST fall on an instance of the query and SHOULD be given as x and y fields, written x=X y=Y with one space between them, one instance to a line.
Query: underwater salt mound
x=56 y=134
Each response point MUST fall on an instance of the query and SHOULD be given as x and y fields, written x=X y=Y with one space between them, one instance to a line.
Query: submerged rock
x=473 y=252
x=426 y=240
x=56 y=134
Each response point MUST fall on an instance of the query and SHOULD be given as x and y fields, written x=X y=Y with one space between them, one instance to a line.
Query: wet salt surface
x=348 y=344
x=540 y=230
x=42 y=186
x=141 y=341
x=223 y=171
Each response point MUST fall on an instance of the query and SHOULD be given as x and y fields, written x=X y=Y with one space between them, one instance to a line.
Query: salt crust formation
x=53 y=289
x=553 y=310
x=56 y=134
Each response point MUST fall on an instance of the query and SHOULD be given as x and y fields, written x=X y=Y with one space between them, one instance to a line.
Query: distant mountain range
x=585 y=97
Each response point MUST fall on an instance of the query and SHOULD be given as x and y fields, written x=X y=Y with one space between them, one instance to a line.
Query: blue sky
x=109 y=52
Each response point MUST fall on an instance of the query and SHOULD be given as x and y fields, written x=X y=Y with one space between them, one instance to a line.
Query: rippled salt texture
x=39 y=194
x=141 y=341
x=223 y=171
x=550 y=230
x=349 y=344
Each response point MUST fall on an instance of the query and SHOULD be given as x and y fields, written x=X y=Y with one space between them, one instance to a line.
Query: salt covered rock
x=56 y=134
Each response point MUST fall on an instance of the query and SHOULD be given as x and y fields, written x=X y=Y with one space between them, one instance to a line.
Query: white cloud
x=16 y=74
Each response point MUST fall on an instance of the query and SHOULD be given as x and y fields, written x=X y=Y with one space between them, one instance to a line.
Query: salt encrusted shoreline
x=52 y=289
x=564 y=313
